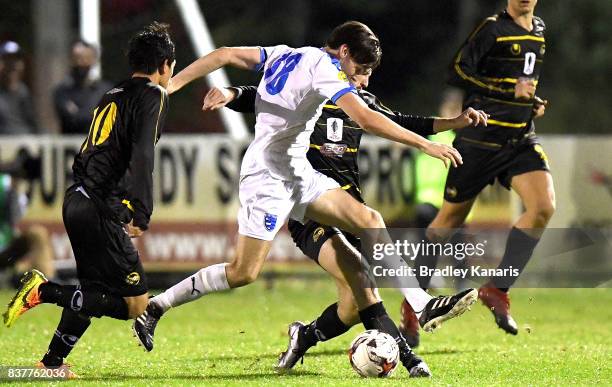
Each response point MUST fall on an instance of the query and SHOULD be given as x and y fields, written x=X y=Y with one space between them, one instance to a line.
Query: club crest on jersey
x=270 y=221
x=133 y=278
x=334 y=129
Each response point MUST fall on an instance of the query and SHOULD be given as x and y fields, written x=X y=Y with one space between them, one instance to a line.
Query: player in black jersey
x=110 y=202
x=334 y=146
x=498 y=67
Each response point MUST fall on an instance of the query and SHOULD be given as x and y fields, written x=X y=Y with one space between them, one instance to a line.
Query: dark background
x=419 y=39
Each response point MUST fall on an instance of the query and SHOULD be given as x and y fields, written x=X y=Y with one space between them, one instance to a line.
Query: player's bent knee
x=543 y=212
x=239 y=275
x=372 y=219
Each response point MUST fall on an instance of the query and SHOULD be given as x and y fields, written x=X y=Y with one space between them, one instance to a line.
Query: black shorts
x=483 y=164
x=104 y=253
x=310 y=237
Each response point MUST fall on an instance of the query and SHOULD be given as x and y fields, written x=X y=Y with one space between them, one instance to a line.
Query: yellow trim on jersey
x=476 y=81
x=507 y=80
x=345 y=187
x=96 y=127
x=128 y=204
x=93 y=119
x=485 y=21
x=107 y=125
x=331 y=107
x=485 y=143
x=509 y=102
x=507 y=124
x=519 y=37
x=349 y=150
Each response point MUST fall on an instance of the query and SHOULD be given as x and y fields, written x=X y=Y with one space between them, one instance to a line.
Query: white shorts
x=267 y=202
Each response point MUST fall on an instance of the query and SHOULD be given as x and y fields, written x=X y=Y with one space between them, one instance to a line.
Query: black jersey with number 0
x=334 y=143
x=115 y=163
x=496 y=55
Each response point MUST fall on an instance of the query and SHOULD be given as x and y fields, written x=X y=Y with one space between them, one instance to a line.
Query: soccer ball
x=374 y=353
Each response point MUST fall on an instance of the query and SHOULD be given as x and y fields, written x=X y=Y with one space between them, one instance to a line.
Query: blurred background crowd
x=48 y=86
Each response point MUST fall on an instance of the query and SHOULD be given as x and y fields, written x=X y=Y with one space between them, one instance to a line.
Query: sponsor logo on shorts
x=451 y=192
x=334 y=129
x=133 y=278
x=270 y=221
x=318 y=232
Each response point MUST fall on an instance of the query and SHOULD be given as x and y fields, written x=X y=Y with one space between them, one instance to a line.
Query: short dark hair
x=363 y=44
x=149 y=48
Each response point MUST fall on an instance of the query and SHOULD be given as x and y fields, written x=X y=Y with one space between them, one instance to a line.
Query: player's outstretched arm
x=379 y=125
x=240 y=57
x=469 y=117
x=426 y=126
x=237 y=98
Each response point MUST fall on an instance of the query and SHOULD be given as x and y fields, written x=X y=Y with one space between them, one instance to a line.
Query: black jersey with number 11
x=115 y=163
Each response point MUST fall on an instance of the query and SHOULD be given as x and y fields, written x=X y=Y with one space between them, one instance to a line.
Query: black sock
x=90 y=301
x=519 y=249
x=70 y=329
x=375 y=317
x=327 y=326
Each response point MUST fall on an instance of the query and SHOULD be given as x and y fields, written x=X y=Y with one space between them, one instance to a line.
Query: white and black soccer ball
x=374 y=354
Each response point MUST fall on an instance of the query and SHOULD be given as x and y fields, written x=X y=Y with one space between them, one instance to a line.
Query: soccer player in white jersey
x=277 y=182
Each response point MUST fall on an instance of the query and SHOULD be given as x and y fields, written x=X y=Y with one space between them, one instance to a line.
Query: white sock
x=409 y=286
x=208 y=280
x=417 y=298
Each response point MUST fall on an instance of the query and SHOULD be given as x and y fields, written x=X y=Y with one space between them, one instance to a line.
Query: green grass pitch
x=234 y=338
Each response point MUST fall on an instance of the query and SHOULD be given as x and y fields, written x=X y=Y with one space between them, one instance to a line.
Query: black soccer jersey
x=494 y=57
x=334 y=143
x=115 y=163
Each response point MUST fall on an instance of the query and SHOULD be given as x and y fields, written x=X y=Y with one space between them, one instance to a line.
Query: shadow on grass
x=444 y=351
x=194 y=377
x=254 y=358
x=257 y=357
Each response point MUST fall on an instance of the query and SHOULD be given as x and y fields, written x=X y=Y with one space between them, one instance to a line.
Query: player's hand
x=133 y=231
x=217 y=97
x=471 y=117
x=525 y=89
x=539 y=108
x=444 y=152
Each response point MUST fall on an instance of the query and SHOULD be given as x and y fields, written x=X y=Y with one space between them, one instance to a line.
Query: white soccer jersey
x=295 y=84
